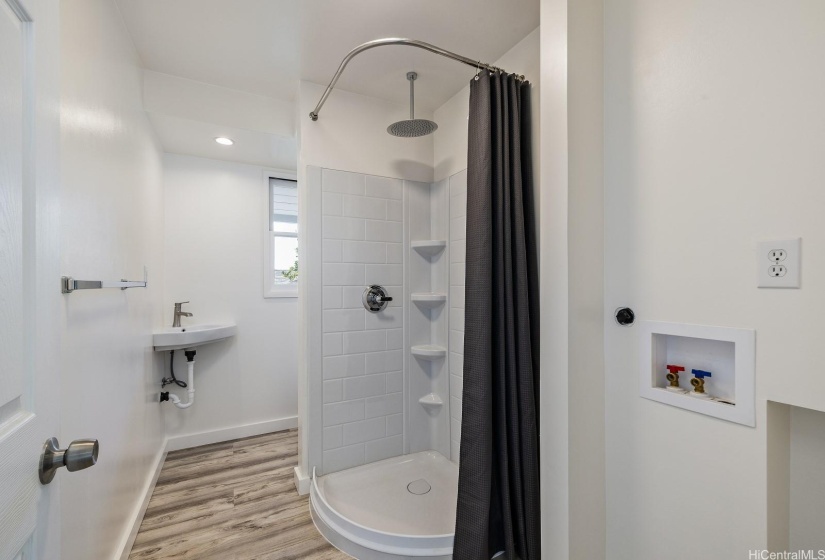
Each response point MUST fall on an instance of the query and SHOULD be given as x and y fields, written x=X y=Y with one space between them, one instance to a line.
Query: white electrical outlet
x=778 y=263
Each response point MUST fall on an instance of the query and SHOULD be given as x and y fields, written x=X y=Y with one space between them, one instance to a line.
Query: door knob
x=81 y=454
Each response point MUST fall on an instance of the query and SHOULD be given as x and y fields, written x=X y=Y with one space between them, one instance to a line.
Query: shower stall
x=383 y=297
x=384 y=387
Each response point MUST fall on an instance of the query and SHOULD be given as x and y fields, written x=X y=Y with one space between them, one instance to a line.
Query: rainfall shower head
x=412 y=128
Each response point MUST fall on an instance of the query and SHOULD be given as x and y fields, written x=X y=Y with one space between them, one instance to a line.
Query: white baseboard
x=216 y=436
x=140 y=510
x=301 y=481
x=194 y=440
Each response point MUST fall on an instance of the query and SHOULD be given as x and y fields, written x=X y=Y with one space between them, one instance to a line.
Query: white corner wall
x=215 y=227
x=714 y=135
x=570 y=209
x=450 y=140
x=351 y=135
x=585 y=263
x=555 y=425
x=427 y=219
x=112 y=225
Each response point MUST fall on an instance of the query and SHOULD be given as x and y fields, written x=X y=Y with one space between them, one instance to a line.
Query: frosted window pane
x=284 y=227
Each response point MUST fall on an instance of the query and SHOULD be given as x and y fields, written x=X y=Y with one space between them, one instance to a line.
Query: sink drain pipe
x=173 y=398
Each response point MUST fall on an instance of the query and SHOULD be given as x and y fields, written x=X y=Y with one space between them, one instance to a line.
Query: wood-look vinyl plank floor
x=233 y=500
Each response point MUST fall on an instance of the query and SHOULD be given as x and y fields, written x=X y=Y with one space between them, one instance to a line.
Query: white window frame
x=270 y=289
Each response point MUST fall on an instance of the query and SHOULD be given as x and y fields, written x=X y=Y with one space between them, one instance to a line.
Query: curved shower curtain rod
x=396 y=41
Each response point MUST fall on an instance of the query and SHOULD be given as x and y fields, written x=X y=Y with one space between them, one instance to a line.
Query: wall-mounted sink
x=177 y=338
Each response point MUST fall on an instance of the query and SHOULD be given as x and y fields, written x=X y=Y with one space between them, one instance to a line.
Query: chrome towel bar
x=69 y=284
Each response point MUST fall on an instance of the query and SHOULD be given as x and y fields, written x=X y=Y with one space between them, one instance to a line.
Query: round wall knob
x=625 y=316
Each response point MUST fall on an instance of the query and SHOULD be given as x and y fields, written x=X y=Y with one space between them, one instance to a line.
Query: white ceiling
x=196 y=138
x=266 y=46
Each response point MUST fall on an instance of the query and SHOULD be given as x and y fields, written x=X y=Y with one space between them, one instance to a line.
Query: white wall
x=807 y=485
x=572 y=376
x=214 y=232
x=713 y=139
x=450 y=140
x=351 y=135
x=112 y=225
x=585 y=264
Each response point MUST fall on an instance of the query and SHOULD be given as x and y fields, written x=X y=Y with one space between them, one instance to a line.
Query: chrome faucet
x=179 y=314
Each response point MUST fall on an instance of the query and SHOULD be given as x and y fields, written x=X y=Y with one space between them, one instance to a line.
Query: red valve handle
x=675 y=369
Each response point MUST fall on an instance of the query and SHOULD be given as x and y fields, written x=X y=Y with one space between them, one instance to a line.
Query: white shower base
x=369 y=512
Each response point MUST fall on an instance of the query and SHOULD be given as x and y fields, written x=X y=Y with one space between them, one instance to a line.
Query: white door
x=29 y=282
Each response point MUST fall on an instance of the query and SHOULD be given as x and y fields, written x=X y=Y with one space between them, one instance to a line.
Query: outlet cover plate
x=778 y=263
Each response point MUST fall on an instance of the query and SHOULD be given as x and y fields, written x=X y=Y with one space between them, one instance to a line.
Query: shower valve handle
x=375 y=298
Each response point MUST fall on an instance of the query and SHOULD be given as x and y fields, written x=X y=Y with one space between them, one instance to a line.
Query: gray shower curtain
x=498 y=489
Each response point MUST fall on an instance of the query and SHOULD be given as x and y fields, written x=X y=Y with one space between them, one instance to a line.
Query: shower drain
x=419 y=487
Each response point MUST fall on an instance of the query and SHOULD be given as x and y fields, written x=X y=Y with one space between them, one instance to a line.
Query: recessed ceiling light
x=223 y=141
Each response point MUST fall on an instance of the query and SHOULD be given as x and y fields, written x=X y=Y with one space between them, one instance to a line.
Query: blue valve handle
x=700 y=373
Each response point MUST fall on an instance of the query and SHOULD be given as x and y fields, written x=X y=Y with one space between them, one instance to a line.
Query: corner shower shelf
x=429 y=247
x=431 y=402
x=429 y=352
x=429 y=299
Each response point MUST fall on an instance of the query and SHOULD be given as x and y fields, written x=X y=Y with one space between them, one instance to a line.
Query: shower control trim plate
x=375 y=298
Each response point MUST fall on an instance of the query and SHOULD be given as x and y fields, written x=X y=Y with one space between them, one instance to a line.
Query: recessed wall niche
x=727 y=354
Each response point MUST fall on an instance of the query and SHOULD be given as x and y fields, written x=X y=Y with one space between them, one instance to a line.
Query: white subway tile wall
x=333 y=344
x=384 y=448
x=395 y=424
x=458 y=227
x=363 y=355
x=333 y=437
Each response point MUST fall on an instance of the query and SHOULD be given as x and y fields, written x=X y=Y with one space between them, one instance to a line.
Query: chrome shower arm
x=412 y=93
x=395 y=41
